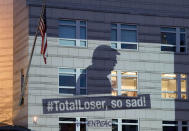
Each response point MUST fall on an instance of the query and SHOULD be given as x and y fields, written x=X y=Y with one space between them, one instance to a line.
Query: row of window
x=123 y=83
x=80 y=124
x=172 y=85
x=123 y=36
x=175 y=125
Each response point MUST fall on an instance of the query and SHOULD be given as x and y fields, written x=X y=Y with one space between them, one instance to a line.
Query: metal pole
x=31 y=55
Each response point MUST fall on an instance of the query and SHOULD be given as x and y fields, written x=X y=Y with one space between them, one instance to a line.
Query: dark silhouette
x=13 y=128
x=103 y=62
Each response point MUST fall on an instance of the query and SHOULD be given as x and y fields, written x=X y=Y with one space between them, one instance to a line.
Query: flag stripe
x=42 y=28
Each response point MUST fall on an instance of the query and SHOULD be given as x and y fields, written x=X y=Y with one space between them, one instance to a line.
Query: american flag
x=43 y=31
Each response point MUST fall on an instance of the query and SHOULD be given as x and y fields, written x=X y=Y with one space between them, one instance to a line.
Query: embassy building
x=112 y=65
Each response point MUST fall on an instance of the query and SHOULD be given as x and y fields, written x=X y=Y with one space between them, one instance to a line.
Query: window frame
x=178 y=86
x=119 y=123
x=119 y=82
x=77 y=89
x=177 y=32
x=118 y=35
x=77 y=122
x=77 y=26
x=179 y=124
x=180 y=81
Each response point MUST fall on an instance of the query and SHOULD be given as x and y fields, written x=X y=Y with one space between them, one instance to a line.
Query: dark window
x=124 y=36
x=70 y=30
x=173 y=39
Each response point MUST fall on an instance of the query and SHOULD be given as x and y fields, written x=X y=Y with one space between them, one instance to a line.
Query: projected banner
x=104 y=103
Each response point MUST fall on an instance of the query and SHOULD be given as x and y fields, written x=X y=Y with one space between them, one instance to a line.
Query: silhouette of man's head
x=103 y=62
x=104 y=57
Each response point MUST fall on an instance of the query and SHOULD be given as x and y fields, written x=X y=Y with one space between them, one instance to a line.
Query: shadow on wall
x=182 y=105
x=103 y=61
x=6 y=127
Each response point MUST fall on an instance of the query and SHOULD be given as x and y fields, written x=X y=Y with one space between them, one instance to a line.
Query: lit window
x=72 y=33
x=183 y=86
x=124 y=83
x=173 y=39
x=72 y=124
x=69 y=79
x=125 y=124
x=175 y=125
x=124 y=36
x=169 y=86
x=174 y=86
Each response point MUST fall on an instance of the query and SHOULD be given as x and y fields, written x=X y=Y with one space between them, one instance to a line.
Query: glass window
x=185 y=126
x=173 y=39
x=128 y=46
x=114 y=83
x=68 y=79
x=182 y=39
x=174 y=126
x=114 y=35
x=125 y=35
x=128 y=36
x=183 y=86
x=168 y=38
x=114 y=125
x=82 y=33
x=67 y=32
x=70 y=30
x=128 y=85
x=72 y=124
x=170 y=126
x=114 y=45
x=169 y=89
x=126 y=125
x=173 y=85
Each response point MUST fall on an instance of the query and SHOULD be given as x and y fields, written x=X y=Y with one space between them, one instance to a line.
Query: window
x=173 y=39
x=175 y=125
x=124 y=83
x=72 y=33
x=124 y=36
x=124 y=125
x=174 y=86
x=70 y=78
x=21 y=79
x=72 y=124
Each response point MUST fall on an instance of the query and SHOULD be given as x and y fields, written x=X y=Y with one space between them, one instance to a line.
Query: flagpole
x=30 y=59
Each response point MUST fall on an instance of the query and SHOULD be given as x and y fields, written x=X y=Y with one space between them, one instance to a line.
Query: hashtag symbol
x=50 y=106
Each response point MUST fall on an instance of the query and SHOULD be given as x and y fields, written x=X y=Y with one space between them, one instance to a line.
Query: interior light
x=168 y=75
x=113 y=72
x=35 y=118
x=129 y=73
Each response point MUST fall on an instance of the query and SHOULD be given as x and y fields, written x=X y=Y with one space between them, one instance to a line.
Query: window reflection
x=68 y=79
x=124 y=36
x=168 y=38
x=70 y=30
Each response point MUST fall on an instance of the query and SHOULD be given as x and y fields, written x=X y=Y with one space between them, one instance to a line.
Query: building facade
x=103 y=50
